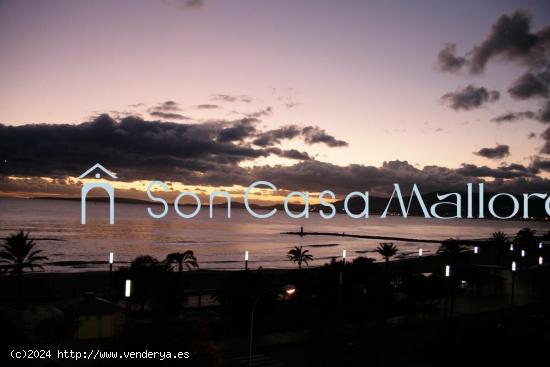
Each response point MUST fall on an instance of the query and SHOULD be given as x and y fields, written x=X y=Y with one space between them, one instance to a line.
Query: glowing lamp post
x=111 y=259
x=420 y=252
x=522 y=253
x=514 y=268
x=287 y=291
x=344 y=253
x=540 y=260
x=540 y=244
x=128 y=288
x=451 y=286
x=511 y=247
x=476 y=250
x=246 y=260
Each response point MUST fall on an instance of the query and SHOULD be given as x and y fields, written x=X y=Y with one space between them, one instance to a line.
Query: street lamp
x=344 y=253
x=514 y=268
x=111 y=258
x=287 y=290
x=511 y=247
x=246 y=260
x=419 y=252
x=476 y=249
x=128 y=288
x=540 y=260
x=522 y=253
x=451 y=285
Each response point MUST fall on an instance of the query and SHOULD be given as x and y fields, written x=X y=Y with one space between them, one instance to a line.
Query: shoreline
x=237 y=205
x=52 y=286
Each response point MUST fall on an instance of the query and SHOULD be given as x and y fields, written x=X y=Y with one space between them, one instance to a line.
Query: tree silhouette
x=146 y=273
x=500 y=240
x=499 y=237
x=387 y=250
x=526 y=238
x=451 y=249
x=18 y=253
x=298 y=255
x=182 y=259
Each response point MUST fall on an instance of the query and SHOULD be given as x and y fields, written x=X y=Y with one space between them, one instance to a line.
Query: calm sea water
x=218 y=243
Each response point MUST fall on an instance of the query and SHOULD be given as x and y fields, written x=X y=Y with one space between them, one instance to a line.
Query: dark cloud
x=206 y=106
x=511 y=38
x=313 y=135
x=546 y=137
x=295 y=154
x=498 y=152
x=231 y=98
x=470 y=97
x=528 y=86
x=540 y=163
x=447 y=59
x=502 y=172
x=275 y=136
x=207 y=152
x=168 y=106
x=544 y=113
x=200 y=164
x=168 y=110
x=238 y=131
x=261 y=113
x=168 y=115
x=290 y=154
x=140 y=148
x=310 y=134
x=316 y=175
x=515 y=116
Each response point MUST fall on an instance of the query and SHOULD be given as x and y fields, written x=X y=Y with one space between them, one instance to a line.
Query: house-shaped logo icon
x=104 y=185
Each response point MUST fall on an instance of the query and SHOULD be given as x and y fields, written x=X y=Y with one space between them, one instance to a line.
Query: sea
x=219 y=242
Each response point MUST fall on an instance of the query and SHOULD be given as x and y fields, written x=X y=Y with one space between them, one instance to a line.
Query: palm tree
x=298 y=255
x=451 y=249
x=146 y=273
x=387 y=250
x=525 y=238
x=182 y=259
x=500 y=237
x=18 y=253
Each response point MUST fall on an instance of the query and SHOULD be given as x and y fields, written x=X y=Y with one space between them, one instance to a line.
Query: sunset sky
x=308 y=94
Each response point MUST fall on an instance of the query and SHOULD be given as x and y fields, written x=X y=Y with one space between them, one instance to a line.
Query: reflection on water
x=219 y=242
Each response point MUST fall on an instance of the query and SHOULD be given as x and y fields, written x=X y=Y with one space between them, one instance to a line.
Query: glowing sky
x=365 y=71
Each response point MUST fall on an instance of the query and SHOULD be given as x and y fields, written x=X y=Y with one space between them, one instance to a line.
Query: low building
x=94 y=317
